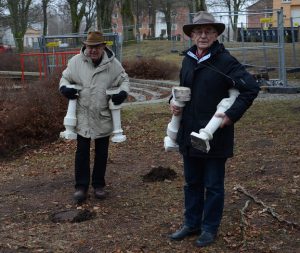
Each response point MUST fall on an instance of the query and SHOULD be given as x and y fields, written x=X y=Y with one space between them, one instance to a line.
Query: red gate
x=59 y=60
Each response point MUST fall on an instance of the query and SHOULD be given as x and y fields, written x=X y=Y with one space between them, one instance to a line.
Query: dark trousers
x=82 y=162
x=204 y=192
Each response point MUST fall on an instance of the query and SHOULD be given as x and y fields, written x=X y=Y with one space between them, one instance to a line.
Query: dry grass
x=161 y=49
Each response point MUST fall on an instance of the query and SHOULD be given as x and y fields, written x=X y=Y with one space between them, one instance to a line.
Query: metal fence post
x=243 y=43
x=264 y=48
x=280 y=25
x=293 y=41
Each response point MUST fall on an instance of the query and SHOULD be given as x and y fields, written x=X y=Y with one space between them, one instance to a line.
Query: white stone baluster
x=180 y=96
x=201 y=140
x=118 y=135
x=70 y=120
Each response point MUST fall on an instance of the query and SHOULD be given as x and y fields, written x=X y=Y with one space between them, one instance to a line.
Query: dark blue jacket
x=209 y=82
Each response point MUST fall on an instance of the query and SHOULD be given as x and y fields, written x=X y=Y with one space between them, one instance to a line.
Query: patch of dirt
x=159 y=174
x=72 y=216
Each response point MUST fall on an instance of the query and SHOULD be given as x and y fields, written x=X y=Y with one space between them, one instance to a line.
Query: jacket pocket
x=105 y=121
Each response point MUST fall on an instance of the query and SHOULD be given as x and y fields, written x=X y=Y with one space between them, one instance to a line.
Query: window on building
x=286 y=1
x=115 y=15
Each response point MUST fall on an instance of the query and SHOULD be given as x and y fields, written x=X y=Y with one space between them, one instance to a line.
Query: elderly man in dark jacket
x=209 y=71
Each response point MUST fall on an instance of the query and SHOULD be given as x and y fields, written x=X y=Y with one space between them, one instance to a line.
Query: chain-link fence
x=262 y=41
x=263 y=44
x=70 y=43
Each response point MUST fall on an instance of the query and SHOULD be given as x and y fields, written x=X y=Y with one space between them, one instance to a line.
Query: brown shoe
x=100 y=193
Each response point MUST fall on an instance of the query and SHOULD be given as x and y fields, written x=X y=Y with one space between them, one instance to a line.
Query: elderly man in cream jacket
x=94 y=70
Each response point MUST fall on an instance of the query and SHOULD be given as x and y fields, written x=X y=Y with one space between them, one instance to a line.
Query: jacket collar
x=215 y=48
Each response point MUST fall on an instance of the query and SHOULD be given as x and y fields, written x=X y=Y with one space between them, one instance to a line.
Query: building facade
x=291 y=9
x=262 y=11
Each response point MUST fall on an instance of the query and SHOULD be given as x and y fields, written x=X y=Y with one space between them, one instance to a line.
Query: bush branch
x=266 y=208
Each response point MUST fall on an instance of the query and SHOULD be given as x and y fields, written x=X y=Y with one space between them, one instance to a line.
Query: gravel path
x=148 y=85
x=271 y=96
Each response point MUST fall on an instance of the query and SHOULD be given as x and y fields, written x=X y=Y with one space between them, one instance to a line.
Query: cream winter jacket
x=94 y=118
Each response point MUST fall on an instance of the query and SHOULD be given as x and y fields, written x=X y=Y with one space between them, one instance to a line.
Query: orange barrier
x=59 y=58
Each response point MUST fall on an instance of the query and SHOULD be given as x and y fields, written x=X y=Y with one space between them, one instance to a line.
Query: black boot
x=184 y=232
x=205 y=239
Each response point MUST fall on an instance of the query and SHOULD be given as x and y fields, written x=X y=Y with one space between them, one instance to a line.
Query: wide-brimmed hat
x=203 y=18
x=94 y=38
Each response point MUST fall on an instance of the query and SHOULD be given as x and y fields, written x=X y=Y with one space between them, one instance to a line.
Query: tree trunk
x=128 y=20
x=167 y=12
x=19 y=20
x=76 y=15
x=20 y=43
x=200 y=5
x=152 y=23
x=169 y=24
x=44 y=7
x=104 y=10
x=90 y=15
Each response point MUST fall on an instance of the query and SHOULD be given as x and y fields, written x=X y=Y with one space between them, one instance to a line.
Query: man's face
x=95 y=52
x=204 y=36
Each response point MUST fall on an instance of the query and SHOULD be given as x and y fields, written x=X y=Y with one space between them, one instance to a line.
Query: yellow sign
x=296 y=24
x=265 y=20
x=109 y=42
x=53 y=44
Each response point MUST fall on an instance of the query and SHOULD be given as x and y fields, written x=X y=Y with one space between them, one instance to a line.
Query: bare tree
x=59 y=18
x=147 y=8
x=18 y=10
x=233 y=7
x=45 y=4
x=104 y=12
x=77 y=8
x=35 y=14
x=2 y=8
x=200 y=5
x=151 y=17
x=168 y=7
x=197 y=5
x=90 y=14
x=128 y=19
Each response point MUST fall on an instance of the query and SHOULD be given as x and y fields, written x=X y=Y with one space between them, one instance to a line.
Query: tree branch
x=266 y=208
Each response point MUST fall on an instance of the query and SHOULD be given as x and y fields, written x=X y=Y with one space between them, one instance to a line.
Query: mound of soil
x=159 y=174
x=72 y=216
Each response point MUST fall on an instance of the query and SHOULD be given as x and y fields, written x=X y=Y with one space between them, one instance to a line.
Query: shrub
x=30 y=116
x=33 y=115
x=151 y=68
x=11 y=62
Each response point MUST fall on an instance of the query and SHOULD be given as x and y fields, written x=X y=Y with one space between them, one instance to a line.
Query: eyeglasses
x=97 y=47
x=205 y=32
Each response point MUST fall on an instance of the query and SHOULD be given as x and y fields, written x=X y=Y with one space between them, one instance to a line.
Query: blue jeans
x=204 y=192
